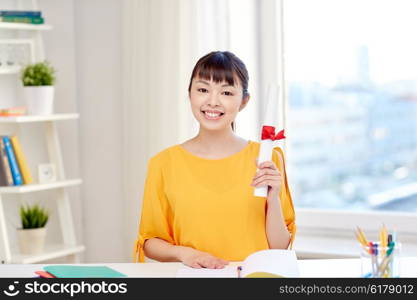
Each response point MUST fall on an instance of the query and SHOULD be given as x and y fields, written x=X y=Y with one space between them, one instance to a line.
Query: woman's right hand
x=199 y=259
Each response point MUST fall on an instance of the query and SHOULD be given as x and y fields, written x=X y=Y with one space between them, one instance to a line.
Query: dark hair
x=221 y=66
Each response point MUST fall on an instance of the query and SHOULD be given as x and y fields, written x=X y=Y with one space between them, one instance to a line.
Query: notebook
x=273 y=263
x=69 y=271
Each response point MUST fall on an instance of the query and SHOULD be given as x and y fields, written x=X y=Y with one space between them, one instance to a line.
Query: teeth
x=213 y=115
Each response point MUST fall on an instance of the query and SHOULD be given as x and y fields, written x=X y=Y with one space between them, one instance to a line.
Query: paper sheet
x=188 y=272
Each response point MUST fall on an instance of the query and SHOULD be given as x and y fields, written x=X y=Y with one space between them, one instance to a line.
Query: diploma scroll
x=268 y=135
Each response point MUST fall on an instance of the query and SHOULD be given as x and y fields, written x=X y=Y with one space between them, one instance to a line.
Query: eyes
x=203 y=90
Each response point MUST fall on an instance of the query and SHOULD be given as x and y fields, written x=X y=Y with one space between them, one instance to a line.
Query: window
x=350 y=70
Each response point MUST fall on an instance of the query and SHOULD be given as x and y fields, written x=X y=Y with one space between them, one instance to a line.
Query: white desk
x=308 y=268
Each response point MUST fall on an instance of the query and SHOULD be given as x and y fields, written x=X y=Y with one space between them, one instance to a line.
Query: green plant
x=38 y=74
x=33 y=216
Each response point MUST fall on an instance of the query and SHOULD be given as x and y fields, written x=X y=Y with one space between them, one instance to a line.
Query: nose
x=213 y=100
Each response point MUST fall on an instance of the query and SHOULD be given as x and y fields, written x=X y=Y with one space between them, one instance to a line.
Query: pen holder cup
x=380 y=261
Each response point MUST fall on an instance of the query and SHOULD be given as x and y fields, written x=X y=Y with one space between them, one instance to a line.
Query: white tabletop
x=308 y=268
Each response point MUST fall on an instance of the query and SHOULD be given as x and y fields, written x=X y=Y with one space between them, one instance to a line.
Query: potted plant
x=31 y=236
x=38 y=88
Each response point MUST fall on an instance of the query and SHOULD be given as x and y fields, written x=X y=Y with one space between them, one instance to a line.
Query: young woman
x=198 y=204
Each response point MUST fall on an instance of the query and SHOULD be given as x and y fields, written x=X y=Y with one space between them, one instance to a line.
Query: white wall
x=85 y=46
x=98 y=71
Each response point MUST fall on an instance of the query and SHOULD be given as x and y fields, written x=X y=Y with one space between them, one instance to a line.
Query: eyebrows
x=207 y=83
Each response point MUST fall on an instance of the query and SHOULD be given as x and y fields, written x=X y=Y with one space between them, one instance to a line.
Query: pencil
x=362 y=235
x=239 y=271
x=383 y=239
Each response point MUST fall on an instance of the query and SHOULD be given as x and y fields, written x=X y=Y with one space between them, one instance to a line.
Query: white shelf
x=23 y=26
x=39 y=187
x=9 y=253
x=51 y=252
x=10 y=70
x=30 y=119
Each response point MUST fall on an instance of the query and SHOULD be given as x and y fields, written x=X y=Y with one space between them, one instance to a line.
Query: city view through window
x=351 y=75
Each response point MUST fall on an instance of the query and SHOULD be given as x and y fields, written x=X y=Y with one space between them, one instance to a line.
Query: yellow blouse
x=209 y=204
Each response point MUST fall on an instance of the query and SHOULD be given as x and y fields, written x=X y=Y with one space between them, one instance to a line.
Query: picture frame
x=15 y=53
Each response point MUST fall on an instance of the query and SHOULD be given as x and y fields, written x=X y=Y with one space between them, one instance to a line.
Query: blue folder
x=68 y=271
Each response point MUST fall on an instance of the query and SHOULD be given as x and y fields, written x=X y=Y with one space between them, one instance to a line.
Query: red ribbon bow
x=268 y=133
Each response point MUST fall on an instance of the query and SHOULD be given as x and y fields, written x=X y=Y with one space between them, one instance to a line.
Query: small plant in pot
x=38 y=88
x=31 y=236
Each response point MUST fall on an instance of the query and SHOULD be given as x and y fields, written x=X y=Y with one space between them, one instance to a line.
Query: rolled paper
x=268 y=135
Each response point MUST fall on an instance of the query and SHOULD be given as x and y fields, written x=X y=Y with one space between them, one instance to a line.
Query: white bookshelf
x=30 y=119
x=20 y=26
x=28 y=188
x=10 y=70
x=69 y=247
x=51 y=252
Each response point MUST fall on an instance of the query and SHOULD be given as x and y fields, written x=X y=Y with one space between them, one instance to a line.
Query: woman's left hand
x=268 y=175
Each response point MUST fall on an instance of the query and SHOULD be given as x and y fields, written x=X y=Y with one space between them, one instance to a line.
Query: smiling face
x=216 y=104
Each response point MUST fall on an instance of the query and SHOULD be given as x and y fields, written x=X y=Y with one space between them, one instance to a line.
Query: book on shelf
x=271 y=263
x=26 y=20
x=21 y=160
x=6 y=178
x=13 y=111
x=20 y=13
x=14 y=167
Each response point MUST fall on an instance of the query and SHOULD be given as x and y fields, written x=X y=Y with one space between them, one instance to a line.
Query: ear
x=244 y=102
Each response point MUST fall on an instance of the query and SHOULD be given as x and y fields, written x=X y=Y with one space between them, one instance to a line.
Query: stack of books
x=21 y=16
x=14 y=169
x=12 y=111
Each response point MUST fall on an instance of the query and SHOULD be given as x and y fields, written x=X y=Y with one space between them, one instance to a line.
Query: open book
x=265 y=263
